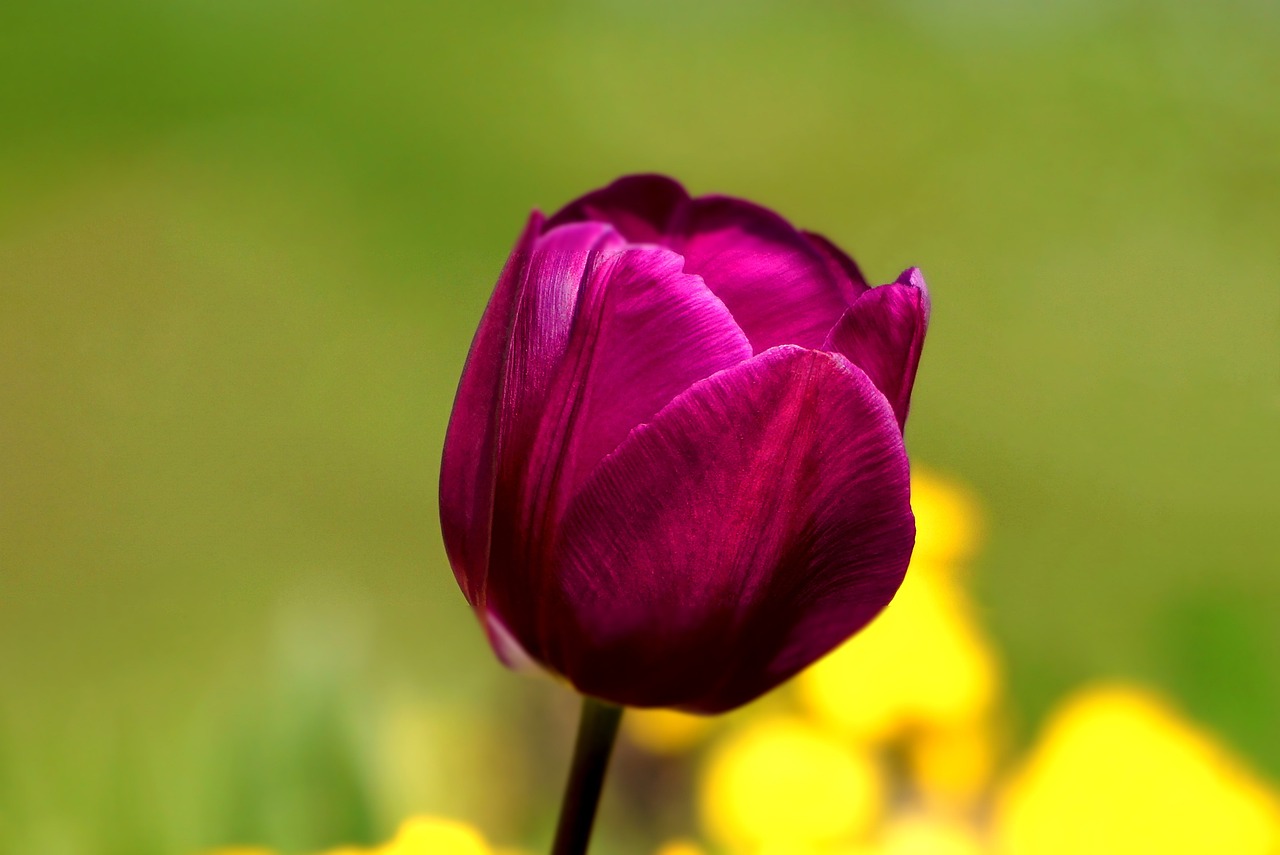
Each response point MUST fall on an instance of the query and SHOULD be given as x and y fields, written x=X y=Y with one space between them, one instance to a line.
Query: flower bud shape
x=674 y=474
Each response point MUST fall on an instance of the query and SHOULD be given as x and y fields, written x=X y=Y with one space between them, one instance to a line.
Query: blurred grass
x=243 y=248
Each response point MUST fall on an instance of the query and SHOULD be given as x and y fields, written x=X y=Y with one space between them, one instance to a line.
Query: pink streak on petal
x=504 y=644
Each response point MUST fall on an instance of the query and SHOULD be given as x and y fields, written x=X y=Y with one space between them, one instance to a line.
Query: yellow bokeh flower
x=665 y=731
x=948 y=522
x=781 y=782
x=952 y=767
x=1116 y=771
x=680 y=847
x=922 y=663
x=434 y=836
x=923 y=835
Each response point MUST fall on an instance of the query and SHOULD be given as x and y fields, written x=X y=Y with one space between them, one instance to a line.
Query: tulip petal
x=760 y=519
x=781 y=287
x=642 y=207
x=777 y=286
x=467 y=465
x=644 y=332
x=883 y=334
x=513 y=358
x=842 y=268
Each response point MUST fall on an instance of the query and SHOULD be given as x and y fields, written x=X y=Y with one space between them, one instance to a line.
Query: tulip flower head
x=674 y=474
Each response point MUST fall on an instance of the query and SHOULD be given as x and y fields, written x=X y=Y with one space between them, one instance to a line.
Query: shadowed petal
x=883 y=333
x=759 y=520
x=781 y=286
x=641 y=207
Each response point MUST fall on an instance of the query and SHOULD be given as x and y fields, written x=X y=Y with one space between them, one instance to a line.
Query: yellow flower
x=1117 y=771
x=922 y=663
x=432 y=836
x=948 y=522
x=953 y=766
x=680 y=847
x=782 y=785
x=665 y=731
x=929 y=836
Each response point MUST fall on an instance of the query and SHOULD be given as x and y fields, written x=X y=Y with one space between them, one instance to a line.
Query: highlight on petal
x=757 y=521
x=783 y=287
x=883 y=334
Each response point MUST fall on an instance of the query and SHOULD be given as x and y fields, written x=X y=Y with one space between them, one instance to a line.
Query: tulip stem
x=596 y=731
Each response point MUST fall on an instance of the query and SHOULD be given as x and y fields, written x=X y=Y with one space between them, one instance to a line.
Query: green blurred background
x=243 y=248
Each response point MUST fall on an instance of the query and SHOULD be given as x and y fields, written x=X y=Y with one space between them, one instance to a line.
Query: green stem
x=596 y=731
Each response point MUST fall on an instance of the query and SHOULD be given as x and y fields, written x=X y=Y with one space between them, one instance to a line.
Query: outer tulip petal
x=782 y=287
x=519 y=345
x=777 y=286
x=642 y=207
x=843 y=269
x=883 y=334
x=467 y=465
x=760 y=519
x=644 y=332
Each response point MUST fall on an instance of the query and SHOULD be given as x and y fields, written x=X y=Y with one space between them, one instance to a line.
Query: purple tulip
x=674 y=474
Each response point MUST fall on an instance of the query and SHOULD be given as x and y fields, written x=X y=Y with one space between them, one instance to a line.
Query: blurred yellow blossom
x=923 y=835
x=433 y=836
x=781 y=785
x=665 y=731
x=1116 y=771
x=680 y=847
x=948 y=522
x=952 y=767
x=922 y=663
x=416 y=836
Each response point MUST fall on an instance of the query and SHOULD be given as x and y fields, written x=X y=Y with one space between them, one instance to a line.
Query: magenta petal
x=781 y=286
x=467 y=467
x=644 y=332
x=883 y=334
x=759 y=520
x=641 y=207
x=775 y=283
x=513 y=358
x=843 y=269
